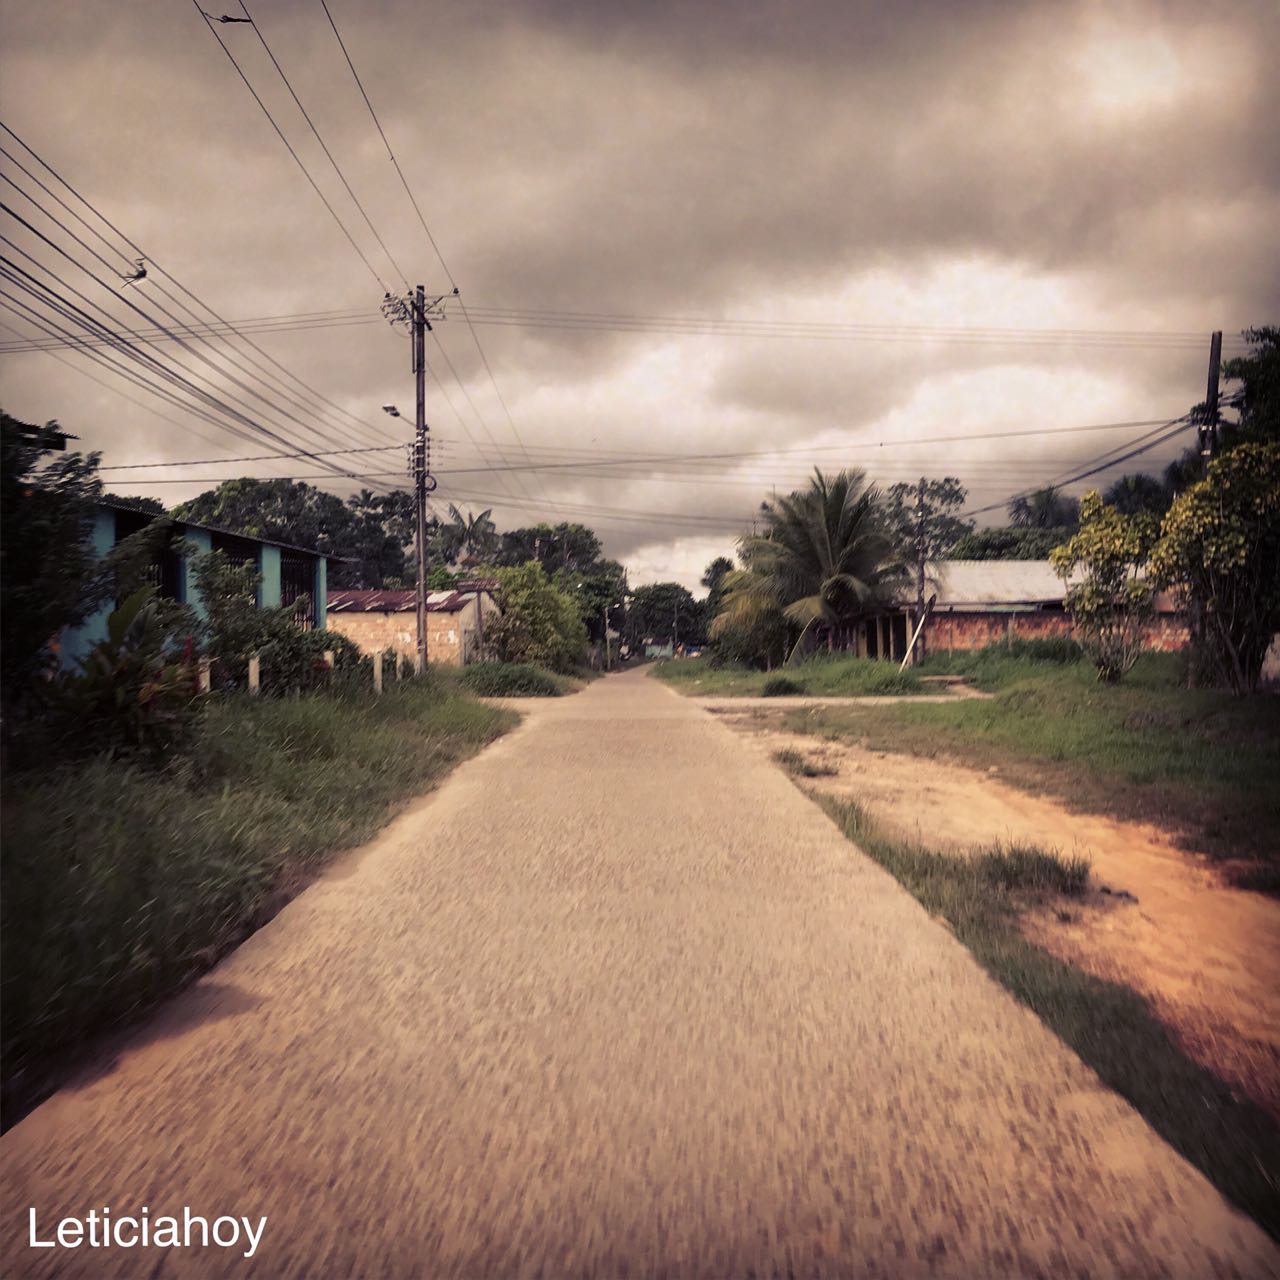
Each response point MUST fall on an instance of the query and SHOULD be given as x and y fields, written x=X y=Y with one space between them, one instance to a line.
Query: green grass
x=1197 y=762
x=512 y=680
x=1113 y=1029
x=823 y=676
x=120 y=884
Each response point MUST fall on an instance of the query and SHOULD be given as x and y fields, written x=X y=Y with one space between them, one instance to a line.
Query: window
x=297 y=579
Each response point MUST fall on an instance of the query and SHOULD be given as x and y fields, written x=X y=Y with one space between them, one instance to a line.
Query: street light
x=391 y=409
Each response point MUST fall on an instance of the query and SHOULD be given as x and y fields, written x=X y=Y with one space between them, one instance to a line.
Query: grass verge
x=822 y=676
x=1197 y=762
x=120 y=884
x=1232 y=1141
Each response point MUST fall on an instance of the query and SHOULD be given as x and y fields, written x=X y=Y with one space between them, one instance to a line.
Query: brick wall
x=948 y=631
x=378 y=632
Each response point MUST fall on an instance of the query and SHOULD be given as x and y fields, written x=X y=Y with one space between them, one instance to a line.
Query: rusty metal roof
x=397 y=601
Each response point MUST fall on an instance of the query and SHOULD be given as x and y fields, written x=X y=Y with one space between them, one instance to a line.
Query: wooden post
x=205 y=676
x=328 y=658
x=255 y=673
x=377 y=673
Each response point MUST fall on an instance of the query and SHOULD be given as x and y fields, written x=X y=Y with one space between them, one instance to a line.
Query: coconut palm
x=824 y=560
x=468 y=539
x=1046 y=508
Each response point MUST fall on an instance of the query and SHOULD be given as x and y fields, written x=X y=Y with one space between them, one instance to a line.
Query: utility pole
x=604 y=614
x=918 y=652
x=420 y=327
x=1209 y=423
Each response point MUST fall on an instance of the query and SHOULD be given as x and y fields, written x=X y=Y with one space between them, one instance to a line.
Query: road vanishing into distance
x=616 y=1001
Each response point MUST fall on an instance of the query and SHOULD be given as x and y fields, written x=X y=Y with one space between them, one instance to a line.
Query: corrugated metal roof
x=397 y=601
x=995 y=582
x=113 y=504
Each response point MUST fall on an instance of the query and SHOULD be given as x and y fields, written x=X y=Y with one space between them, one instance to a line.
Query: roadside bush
x=509 y=680
x=132 y=696
x=780 y=687
x=1061 y=649
x=538 y=624
x=293 y=661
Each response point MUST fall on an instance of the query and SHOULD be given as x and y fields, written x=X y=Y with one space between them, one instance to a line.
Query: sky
x=701 y=247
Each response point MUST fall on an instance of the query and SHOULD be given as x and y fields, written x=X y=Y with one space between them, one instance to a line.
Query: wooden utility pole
x=604 y=614
x=420 y=466
x=1209 y=425
x=917 y=647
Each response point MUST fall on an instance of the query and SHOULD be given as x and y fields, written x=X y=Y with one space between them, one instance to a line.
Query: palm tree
x=468 y=539
x=824 y=560
x=1046 y=508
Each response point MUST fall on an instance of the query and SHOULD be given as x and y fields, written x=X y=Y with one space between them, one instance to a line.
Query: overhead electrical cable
x=289 y=147
x=318 y=403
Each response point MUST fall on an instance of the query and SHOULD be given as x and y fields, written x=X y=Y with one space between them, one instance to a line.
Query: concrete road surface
x=616 y=1001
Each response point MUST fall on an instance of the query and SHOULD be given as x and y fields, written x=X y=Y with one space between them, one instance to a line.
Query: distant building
x=286 y=573
x=382 y=620
x=983 y=602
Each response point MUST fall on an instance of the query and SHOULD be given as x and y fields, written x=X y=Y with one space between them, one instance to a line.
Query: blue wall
x=77 y=641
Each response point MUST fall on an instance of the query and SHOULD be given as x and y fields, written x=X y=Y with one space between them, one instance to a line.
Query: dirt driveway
x=1206 y=954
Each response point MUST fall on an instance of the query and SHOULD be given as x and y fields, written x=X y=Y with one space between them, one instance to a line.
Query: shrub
x=538 y=623
x=1060 y=649
x=509 y=680
x=780 y=687
x=132 y=697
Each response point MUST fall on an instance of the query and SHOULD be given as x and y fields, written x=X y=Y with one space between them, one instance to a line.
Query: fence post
x=328 y=658
x=255 y=673
x=377 y=673
x=204 y=677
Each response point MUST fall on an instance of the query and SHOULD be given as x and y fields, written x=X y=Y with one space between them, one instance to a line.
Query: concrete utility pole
x=1209 y=424
x=918 y=649
x=420 y=327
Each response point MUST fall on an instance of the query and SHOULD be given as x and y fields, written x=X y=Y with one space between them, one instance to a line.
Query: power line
x=314 y=401
x=289 y=147
x=261 y=457
x=417 y=208
x=324 y=146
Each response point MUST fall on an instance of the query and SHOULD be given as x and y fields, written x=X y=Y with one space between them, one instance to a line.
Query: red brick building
x=983 y=602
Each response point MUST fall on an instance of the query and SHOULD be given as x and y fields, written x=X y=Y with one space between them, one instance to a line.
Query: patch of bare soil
x=1156 y=918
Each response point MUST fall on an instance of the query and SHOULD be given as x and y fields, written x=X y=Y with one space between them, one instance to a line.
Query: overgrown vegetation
x=120 y=882
x=1196 y=761
x=821 y=676
x=511 y=680
x=1234 y=1142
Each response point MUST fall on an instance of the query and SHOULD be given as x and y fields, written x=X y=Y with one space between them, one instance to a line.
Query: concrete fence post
x=377 y=673
x=328 y=658
x=255 y=673
x=204 y=676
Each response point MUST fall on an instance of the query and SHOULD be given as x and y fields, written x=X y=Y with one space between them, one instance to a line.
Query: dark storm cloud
x=818 y=159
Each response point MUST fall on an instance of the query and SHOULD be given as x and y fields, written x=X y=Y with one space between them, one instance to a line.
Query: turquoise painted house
x=285 y=572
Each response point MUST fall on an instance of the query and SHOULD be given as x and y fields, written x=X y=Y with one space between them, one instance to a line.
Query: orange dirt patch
x=1156 y=918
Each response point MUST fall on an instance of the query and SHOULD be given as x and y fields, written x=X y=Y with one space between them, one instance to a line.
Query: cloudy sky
x=705 y=246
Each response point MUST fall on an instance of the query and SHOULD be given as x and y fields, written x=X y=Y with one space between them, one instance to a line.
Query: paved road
x=616 y=1001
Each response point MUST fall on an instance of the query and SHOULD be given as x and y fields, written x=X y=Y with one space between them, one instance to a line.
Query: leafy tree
x=941 y=525
x=367 y=535
x=713 y=580
x=601 y=588
x=1008 y=544
x=46 y=510
x=1220 y=548
x=1136 y=494
x=563 y=547
x=827 y=557
x=665 y=611
x=1113 y=601
x=1046 y=508
x=538 y=623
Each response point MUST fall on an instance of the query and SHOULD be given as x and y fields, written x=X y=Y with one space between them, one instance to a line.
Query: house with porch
x=286 y=573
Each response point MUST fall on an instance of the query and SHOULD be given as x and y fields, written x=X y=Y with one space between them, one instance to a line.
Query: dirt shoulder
x=1157 y=917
